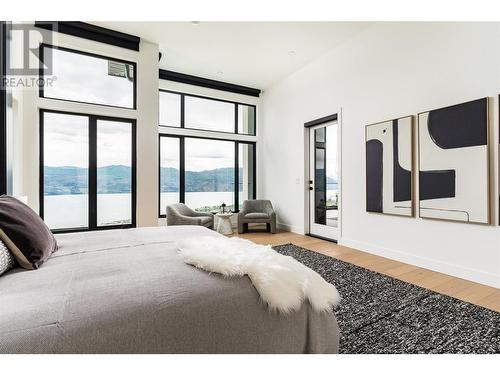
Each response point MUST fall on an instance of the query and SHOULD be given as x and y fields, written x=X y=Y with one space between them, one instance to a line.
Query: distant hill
x=219 y=179
x=65 y=180
x=116 y=179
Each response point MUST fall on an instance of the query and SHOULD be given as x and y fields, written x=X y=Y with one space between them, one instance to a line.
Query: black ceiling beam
x=209 y=83
x=92 y=32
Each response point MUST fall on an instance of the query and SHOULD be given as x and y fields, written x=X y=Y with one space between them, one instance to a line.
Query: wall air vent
x=119 y=69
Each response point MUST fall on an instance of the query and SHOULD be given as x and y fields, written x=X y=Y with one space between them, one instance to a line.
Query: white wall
x=147 y=136
x=389 y=70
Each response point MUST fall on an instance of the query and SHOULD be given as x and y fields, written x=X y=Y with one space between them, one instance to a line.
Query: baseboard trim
x=321 y=238
x=471 y=274
x=289 y=228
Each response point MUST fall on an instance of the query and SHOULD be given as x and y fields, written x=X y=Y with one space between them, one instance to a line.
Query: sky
x=201 y=154
x=170 y=109
x=114 y=143
x=66 y=141
x=200 y=113
x=66 y=144
x=209 y=114
x=85 y=78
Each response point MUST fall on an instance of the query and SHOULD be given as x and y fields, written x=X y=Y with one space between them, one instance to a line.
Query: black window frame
x=92 y=170
x=182 y=169
x=41 y=75
x=3 y=109
x=182 y=125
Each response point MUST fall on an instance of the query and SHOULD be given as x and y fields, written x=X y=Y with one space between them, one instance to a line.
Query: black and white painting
x=453 y=163
x=389 y=167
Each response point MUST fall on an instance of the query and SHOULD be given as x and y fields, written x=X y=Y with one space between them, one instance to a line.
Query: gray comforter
x=126 y=291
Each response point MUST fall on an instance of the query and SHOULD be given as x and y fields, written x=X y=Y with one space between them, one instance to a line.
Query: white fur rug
x=282 y=282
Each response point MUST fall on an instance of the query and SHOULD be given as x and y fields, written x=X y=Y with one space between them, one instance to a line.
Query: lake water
x=198 y=200
x=71 y=211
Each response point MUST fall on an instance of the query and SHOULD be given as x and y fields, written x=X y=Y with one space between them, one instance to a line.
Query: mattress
x=127 y=291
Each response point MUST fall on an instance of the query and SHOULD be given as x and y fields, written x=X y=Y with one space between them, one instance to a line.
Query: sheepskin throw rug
x=282 y=282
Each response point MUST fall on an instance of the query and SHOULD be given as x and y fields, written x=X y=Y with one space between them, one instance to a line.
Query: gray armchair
x=257 y=211
x=180 y=214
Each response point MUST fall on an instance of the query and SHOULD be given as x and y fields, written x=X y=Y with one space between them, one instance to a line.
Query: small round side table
x=224 y=223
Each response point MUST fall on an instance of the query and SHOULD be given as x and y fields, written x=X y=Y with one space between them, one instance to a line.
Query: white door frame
x=308 y=126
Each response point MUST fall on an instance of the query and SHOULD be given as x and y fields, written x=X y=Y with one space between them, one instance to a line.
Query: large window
x=204 y=173
x=87 y=171
x=89 y=78
x=209 y=173
x=170 y=172
x=114 y=172
x=196 y=112
x=246 y=172
x=208 y=114
x=170 y=109
x=246 y=119
x=65 y=170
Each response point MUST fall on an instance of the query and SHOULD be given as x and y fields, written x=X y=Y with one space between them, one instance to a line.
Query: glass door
x=324 y=192
x=88 y=169
x=114 y=157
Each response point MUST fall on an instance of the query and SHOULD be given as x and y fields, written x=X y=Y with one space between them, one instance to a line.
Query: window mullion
x=41 y=170
x=235 y=118
x=134 y=173
x=254 y=175
x=92 y=172
x=236 y=177
x=182 y=172
x=183 y=117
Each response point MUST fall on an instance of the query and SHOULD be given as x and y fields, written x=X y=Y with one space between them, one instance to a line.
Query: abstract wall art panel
x=389 y=167
x=453 y=163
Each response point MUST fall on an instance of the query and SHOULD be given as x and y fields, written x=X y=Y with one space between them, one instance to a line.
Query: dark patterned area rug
x=380 y=314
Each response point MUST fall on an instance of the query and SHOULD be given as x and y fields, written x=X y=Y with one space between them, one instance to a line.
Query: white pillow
x=7 y=260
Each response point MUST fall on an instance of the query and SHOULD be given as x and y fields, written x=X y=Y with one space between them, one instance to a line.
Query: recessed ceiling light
x=291 y=52
x=195 y=22
x=220 y=72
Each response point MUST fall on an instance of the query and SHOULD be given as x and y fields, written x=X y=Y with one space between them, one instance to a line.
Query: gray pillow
x=7 y=261
x=24 y=233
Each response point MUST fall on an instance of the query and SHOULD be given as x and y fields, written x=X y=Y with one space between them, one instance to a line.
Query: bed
x=126 y=291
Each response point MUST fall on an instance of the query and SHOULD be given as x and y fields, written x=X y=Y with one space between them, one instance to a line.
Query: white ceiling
x=255 y=54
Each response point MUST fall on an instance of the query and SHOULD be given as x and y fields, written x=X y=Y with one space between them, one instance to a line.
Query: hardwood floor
x=465 y=290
